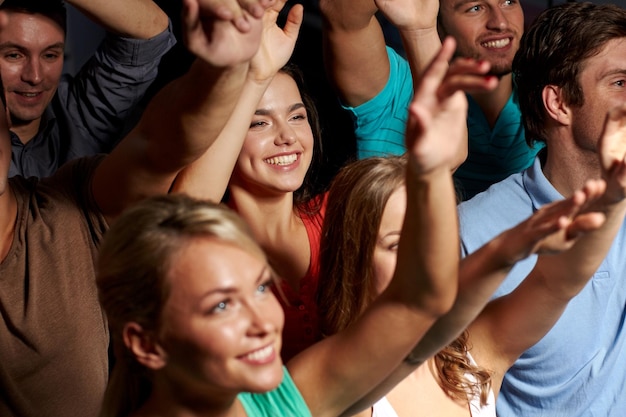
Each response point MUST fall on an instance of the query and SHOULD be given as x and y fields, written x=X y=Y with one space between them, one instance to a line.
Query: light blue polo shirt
x=579 y=368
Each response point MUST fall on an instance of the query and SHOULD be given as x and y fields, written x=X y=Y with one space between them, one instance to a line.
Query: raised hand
x=436 y=128
x=277 y=43
x=217 y=41
x=555 y=227
x=410 y=14
x=237 y=11
x=612 y=150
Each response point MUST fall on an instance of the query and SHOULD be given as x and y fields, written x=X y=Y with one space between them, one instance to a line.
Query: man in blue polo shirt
x=570 y=72
x=376 y=84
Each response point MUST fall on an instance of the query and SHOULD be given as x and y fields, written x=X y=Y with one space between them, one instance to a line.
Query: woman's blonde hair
x=133 y=265
x=356 y=202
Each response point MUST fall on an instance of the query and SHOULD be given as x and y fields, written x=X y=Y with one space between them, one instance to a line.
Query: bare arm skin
x=556 y=279
x=354 y=49
x=207 y=178
x=139 y=19
x=183 y=119
x=511 y=324
x=335 y=373
x=143 y=19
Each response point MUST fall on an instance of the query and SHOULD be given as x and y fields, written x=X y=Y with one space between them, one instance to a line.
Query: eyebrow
x=393 y=233
x=461 y=3
x=13 y=45
x=231 y=290
x=265 y=112
x=612 y=72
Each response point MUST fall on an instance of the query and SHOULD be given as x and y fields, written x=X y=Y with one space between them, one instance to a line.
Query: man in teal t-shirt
x=376 y=84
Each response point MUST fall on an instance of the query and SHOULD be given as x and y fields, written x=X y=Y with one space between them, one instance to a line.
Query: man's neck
x=567 y=166
x=26 y=131
x=492 y=102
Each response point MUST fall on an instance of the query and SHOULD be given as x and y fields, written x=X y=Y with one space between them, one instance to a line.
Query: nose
x=32 y=71
x=261 y=323
x=497 y=19
x=285 y=134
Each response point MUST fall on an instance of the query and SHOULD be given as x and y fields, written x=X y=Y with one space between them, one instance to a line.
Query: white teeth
x=261 y=354
x=501 y=43
x=29 y=94
x=282 y=160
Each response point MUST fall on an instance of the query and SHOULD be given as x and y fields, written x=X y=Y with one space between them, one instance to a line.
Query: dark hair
x=53 y=9
x=356 y=202
x=553 y=52
x=310 y=186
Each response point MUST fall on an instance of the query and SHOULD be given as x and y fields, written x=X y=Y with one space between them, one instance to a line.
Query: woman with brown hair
x=185 y=289
x=358 y=254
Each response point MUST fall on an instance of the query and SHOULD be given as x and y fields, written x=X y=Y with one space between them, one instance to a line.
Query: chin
x=266 y=381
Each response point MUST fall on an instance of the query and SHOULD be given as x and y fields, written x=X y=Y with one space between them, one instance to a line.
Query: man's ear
x=555 y=105
x=144 y=346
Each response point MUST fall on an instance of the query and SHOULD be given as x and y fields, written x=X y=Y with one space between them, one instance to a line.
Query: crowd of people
x=168 y=247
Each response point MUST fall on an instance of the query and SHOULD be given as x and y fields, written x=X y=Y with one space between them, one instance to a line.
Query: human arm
x=138 y=19
x=144 y=19
x=416 y=21
x=101 y=101
x=354 y=45
x=184 y=118
x=355 y=53
x=554 y=227
x=334 y=373
x=555 y=280
x=207 y=178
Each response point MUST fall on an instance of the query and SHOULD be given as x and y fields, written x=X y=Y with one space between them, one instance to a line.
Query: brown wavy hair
x=356 y=201
x=554 y=51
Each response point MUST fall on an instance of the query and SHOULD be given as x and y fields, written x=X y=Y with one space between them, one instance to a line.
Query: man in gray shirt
x=57 y=118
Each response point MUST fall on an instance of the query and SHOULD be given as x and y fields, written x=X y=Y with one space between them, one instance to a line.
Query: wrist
x=419 y=32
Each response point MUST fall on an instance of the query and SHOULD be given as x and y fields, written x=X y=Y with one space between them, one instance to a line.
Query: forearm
x=207 y=177
x=428 y=255
x=424 y=251
x=524 y=316
x=186 y=117
x=355 y=53
x=139 y=19
x=420 y=46
x=567 y=273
